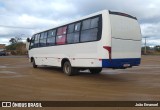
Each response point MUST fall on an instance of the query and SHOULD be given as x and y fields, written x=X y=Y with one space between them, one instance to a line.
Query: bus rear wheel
x=95 y=70
x=34 y=64
x=68 y=69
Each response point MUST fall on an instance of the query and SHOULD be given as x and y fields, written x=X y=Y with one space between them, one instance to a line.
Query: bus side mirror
x=28 y=40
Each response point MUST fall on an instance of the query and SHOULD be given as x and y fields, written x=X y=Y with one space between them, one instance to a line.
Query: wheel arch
x=31 y=59
x=63 y=61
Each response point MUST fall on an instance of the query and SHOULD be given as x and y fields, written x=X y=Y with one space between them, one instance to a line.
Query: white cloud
x=44 y=14
x=4 y=41
x=151 y=30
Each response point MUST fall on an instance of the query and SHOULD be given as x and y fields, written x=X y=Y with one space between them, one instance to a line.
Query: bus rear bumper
x=120 y=63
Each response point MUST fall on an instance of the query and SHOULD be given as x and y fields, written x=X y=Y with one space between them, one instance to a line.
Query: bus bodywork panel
x=79 y=55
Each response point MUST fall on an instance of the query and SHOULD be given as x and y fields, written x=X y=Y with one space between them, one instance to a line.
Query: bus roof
x=88 y=16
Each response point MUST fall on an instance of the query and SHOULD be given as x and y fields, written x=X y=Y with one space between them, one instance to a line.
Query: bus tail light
x=100 y=59
x=109 y=50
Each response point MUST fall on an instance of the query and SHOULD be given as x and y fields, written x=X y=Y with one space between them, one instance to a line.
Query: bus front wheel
x=95 y=70
x=68 y=69
x=34 y=64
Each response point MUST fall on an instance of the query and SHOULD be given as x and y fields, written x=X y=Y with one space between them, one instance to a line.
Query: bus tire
x=34 y=64
x=95 y=70
x=68 y=69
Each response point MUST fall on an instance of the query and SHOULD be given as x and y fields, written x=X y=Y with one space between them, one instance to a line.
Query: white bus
x=105 y=39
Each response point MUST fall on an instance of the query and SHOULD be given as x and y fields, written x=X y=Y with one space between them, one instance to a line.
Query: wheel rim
x=67 y=68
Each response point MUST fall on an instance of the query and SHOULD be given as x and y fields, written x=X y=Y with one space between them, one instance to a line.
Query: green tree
x=147 y=48
x=12 y=41
x=16 y=47
x=15 y=40
x=157 y=48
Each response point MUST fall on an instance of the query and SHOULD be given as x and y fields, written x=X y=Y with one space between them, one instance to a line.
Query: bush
x=17 y=48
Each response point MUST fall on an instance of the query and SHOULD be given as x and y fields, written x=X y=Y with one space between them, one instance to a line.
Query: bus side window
x=61 y=35
x=86 y=24
x=70 y=28
x=73 y=37
x=51 y=37
x=43 y=38
x=89 y=30
x=77 y=27
x=89 y=35
x=73 y=33
x=94 y=22
x=36 y=40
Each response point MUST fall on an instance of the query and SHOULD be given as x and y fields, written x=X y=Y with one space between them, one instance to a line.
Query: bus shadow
x=51 y=69
x=103 y=76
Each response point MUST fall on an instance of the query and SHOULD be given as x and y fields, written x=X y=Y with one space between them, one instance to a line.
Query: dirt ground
x=20 y=82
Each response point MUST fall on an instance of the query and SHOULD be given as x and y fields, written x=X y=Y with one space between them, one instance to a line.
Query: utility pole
x=145 y=49
x=145 y=44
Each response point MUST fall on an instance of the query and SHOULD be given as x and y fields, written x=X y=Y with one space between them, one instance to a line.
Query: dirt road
x=19 y=81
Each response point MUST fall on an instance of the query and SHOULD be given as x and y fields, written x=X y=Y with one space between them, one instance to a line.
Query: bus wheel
x=95 y=70
x=68 y=69
x=34 y=64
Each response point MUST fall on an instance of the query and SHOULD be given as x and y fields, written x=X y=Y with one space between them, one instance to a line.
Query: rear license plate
x=126 y=65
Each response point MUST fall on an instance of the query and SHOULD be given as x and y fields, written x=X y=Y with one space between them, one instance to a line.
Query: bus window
x=64 y=29
x=71 y=28
x=73 y=37
x=61 y=30
x=94 y=22
x=51 y=33
x=61 y=39
x=89 y=30
x=77 y=26
x=73 y=33
x=43 y=37
x=89 y=35
x=50 y=41
x=31 y=43
x=36 y=40
x=51 y=37
x=86 y=24
x=61 y=35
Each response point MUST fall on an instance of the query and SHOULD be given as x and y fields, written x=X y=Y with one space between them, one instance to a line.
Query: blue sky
x=44 y=14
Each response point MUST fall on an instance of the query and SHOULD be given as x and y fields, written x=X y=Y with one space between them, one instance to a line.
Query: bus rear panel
x=125 y=50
